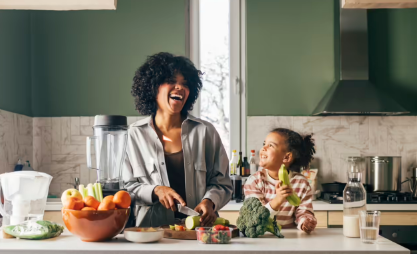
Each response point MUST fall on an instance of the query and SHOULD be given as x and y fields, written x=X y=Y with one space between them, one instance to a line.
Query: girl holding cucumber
x=288 y=148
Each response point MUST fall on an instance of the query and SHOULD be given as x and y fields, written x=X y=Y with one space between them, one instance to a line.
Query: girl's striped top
x=262 y=186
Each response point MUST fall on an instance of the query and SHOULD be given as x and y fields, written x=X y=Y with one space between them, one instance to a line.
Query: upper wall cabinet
x=377 y=4
x=58 y=5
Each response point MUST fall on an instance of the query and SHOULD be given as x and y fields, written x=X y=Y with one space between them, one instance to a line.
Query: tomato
x=214 y=239
x=218 y=228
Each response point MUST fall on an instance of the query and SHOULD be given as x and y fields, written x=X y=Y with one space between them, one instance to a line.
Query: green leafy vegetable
x=35 y=230
x=254 y=219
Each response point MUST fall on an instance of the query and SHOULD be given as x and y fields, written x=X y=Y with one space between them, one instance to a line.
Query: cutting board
x=190 y=234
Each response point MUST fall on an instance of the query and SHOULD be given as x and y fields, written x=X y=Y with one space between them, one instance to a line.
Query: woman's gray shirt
x=205 y=163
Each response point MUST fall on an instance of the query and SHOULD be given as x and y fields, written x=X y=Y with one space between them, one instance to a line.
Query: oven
x=405 y=236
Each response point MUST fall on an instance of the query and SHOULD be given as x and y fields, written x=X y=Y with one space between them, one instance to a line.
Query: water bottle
x=354 y=200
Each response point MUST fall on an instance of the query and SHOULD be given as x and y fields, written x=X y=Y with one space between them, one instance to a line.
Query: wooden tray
x=190 y=234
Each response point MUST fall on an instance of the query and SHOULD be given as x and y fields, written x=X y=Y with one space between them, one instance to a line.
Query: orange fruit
x=73 y=203
x=88 y=209
x=91 y=202
x=122 y=199
x=107 y=203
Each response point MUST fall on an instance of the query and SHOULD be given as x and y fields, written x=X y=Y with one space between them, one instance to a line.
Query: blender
x=109 y=142
x=25 y=194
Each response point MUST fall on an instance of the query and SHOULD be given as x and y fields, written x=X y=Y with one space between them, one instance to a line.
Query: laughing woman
x=171 y=156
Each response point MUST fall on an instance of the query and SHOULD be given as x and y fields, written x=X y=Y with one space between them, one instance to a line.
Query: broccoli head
x=254 y=219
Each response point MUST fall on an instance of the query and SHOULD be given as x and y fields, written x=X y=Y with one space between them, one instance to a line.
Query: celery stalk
x=90 y=190
x=95 y=191
x=99 y=191
x=81 y=189
x=85 y=192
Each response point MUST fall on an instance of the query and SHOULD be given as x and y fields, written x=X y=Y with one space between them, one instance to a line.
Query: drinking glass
x=369 y=225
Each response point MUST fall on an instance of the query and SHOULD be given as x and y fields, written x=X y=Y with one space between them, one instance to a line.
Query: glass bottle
x=239 y=166
x=252 y=162
x=233 y=163
x=246 y=165
x=354 y=199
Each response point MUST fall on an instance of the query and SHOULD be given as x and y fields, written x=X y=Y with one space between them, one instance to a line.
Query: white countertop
x=55 y=205
x=295 y=241
x=323 y=206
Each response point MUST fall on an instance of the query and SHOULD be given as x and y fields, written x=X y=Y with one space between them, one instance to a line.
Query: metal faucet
x=75 y=184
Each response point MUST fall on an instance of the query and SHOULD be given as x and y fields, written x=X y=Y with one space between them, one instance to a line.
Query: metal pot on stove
x=383 y=173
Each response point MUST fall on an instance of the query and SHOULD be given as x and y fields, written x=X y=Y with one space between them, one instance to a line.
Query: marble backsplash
x=57 y=145
x=338 y=137
x=16 y=140
x=59 y=149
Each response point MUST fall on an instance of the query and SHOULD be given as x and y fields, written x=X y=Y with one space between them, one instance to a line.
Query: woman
x=171 y=156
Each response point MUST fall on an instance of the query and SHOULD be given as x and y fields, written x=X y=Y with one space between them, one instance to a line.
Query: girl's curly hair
x=163 y=68
x=302 y=148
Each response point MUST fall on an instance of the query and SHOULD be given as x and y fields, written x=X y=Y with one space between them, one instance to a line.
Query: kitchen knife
x=186 y=210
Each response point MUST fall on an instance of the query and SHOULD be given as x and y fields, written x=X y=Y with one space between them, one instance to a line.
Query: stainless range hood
x=354 y=94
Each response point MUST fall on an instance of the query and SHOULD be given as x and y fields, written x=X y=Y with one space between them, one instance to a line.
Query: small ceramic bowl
x=142 y=235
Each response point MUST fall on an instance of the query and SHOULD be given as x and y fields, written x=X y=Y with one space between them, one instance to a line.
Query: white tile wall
x=54 y=145
x=16 y=140
x=341 y=136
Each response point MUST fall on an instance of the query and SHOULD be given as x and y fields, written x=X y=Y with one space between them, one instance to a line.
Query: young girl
x=283 y=146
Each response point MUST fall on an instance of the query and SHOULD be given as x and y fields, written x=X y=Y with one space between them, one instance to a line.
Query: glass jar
x=354 y=200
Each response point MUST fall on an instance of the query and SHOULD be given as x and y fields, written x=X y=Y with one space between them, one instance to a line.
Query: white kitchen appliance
x=25 y=194
x=109 y=142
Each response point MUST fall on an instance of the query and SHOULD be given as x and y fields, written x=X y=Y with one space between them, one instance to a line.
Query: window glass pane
x=214 y=62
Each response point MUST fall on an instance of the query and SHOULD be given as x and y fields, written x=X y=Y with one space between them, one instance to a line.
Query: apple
x=70 y=193
x=74 y=203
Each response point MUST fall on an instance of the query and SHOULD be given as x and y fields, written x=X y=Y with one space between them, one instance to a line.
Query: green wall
x=393 y=54
x=84 y=61
x=290 y=55
x=15 y=88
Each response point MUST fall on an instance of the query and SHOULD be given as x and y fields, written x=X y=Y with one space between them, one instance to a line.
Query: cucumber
x=293 y=199
x=191 y=222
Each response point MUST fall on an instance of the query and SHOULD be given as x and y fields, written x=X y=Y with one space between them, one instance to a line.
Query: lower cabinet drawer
x=321 y=217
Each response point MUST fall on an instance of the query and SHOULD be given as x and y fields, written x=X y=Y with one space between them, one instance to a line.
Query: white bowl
x=133 y=235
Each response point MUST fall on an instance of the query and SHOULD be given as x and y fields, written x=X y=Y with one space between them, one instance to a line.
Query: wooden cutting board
x=190 y=234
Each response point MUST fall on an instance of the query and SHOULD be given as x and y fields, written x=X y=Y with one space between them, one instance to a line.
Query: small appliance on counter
x=109 y=141
x=25 y=194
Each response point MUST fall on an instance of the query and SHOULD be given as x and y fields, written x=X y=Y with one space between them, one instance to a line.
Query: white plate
x=131 y=234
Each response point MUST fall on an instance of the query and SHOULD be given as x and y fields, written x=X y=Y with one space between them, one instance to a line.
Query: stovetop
x=373 y=198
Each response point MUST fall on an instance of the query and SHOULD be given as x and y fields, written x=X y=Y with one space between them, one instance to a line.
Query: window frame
x=238 y=71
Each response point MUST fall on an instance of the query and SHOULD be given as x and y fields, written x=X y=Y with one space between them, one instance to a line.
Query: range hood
x=354 y=94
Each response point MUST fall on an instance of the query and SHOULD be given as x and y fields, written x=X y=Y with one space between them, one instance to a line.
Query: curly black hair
x=163 y=68
x=302 y=148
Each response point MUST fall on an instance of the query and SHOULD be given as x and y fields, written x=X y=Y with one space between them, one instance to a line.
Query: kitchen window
x=216 y=38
